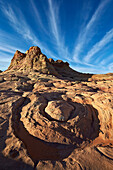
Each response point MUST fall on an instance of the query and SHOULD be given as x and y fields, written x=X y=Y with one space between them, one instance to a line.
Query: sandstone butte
x=52 y=117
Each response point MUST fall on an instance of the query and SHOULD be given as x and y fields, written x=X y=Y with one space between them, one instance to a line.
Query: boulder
x=59 y=110
x=46 y=115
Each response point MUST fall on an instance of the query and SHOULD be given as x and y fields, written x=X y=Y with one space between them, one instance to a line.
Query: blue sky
x=77 y=31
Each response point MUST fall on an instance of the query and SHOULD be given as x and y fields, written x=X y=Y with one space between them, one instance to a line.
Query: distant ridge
x=34 y=60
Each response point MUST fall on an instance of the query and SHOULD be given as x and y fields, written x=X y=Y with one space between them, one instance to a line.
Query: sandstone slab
x=49 y=112
x=59 y=110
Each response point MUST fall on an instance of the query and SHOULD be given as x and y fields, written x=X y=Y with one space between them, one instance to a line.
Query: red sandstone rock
x=33 y=59
x=59 y=110
x=29 y=90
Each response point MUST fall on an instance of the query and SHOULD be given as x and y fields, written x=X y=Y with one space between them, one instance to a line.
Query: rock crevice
x=56 y=112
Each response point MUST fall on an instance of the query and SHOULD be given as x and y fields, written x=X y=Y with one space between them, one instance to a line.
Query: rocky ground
x=55 y=115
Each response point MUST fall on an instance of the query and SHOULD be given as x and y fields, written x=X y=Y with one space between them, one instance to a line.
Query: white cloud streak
x=99 y=45
x=6 y=54
x=86 y=34
x=38 y=17
x=53 y=20
x=19 y=24
x=17 y=21
x=9 y=49
x=110 y=67
x=90 y=70
x=97 y=14
x=5 y=49
x=5 y=57
x=108 y=59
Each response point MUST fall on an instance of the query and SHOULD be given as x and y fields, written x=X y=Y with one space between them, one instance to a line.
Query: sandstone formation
x=59 y=110
x=34 y=60
x=52 y=117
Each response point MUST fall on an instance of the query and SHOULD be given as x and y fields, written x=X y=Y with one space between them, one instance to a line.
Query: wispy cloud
x=38 y=17
x=5 y=57
x=9 y=49
x=90 y=70
x=110 y=67
x=53 y=20
x=5 y=49
x=6 y=54
x=106 y=60
x=99 y=45
x=18 y=22
x=86 y=34
x=4 y=65
x=97 y=14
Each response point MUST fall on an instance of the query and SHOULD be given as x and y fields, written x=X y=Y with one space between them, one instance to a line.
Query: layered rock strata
x=57 y=119
x=34 y=60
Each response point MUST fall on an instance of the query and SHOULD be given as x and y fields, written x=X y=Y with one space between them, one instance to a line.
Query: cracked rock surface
x=61 y=121
x=59 y=110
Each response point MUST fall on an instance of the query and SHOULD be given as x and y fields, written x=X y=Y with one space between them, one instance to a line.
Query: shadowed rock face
x=55 y=115
x=33 y=59
x=37 y=149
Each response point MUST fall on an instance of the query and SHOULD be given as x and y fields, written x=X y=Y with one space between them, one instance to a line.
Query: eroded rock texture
x=55 y=115
x=34 y=60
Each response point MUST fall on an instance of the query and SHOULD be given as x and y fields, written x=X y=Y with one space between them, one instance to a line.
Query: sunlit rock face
x=34 y=60
x=55 y=115
x=59 y=110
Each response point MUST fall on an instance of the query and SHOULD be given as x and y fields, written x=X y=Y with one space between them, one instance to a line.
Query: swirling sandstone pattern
x=53 y=116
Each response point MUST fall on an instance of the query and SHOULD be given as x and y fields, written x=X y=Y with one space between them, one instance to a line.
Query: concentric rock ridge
x=54 y=115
